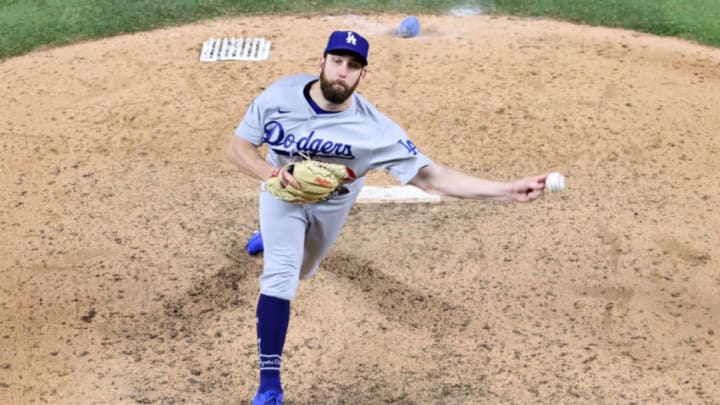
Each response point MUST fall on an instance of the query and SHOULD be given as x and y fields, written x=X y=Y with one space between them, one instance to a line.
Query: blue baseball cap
x=348 y=41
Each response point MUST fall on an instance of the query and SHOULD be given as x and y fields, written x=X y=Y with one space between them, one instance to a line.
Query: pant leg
x=283 y=227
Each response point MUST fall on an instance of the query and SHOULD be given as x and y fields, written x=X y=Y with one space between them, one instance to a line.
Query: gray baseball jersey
x=283 y=117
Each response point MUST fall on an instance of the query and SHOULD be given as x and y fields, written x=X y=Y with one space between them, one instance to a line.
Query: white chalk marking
x=252 y=49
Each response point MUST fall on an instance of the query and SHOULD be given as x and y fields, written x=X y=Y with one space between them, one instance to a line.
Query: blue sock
x=273 y=316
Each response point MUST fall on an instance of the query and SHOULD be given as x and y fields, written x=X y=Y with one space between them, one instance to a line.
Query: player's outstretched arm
x=440 y=180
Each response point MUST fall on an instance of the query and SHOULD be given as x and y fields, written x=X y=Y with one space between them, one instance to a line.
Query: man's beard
x=335 y=92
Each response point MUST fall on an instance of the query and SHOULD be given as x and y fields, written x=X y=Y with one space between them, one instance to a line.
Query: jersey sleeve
x=251 y=126
x=400 y=156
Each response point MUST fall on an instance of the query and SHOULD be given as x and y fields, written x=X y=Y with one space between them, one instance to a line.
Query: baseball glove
x=317 y=181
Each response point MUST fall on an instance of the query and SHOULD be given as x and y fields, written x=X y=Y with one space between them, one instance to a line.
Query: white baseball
x=555 y=182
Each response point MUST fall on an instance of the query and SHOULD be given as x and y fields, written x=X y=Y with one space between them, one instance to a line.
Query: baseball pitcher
x=323 y=138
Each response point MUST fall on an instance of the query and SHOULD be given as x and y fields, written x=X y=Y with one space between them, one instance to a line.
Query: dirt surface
x=123 y=274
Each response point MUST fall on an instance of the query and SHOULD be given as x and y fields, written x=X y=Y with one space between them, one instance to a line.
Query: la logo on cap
x=348 y=41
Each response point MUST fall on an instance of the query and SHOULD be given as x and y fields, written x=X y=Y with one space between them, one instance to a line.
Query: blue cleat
x=255 y=243
x=268 y=398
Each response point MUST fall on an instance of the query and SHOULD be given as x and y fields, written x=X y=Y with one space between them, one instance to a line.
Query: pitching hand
x=528 y=188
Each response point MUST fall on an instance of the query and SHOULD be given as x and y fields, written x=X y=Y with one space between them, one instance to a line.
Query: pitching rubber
x=396 y=194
